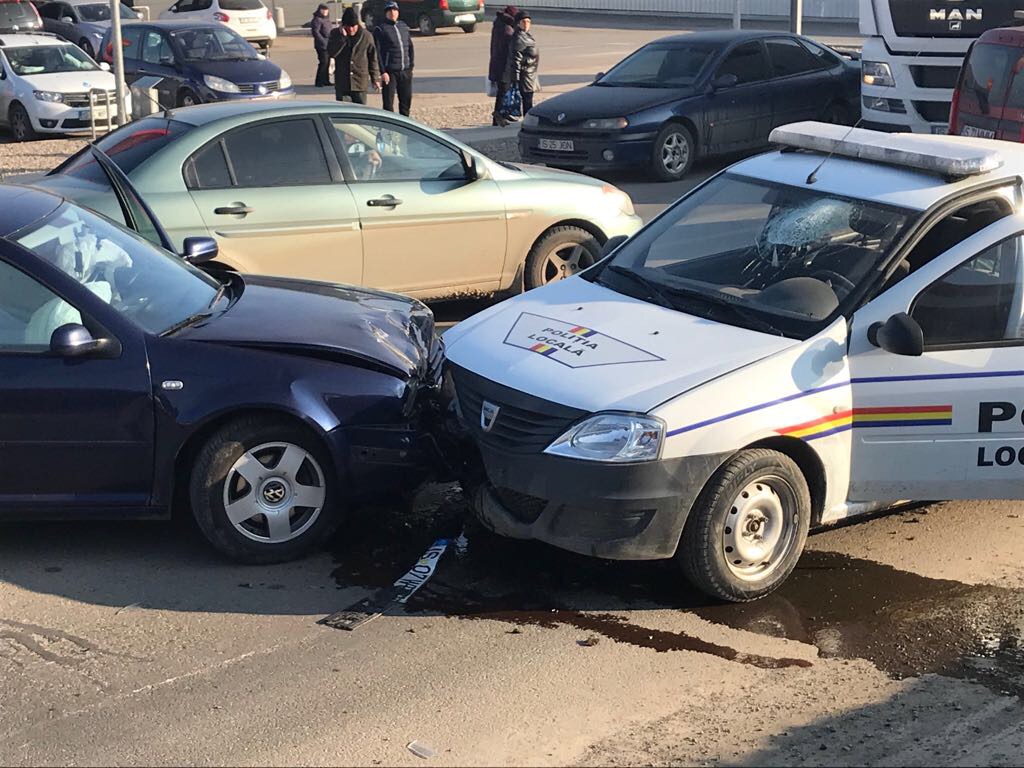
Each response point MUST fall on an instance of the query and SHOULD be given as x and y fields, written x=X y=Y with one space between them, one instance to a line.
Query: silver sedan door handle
x=238 y=209
x=388 y=201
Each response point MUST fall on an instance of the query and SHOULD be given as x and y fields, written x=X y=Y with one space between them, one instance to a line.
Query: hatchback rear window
x=986 y=76
x=17 y=15
x=127 y=147
x=240 y=5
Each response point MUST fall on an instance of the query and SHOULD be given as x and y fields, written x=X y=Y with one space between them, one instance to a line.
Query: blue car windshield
x=149 y=286
x=213 y=44
x=661 y=66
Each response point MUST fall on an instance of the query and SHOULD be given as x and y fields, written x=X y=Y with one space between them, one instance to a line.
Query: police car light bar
x=943 y=156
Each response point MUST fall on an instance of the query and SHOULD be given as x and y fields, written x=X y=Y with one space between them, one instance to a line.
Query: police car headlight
x=613 y=437
x=876 y=73
x=52 y=96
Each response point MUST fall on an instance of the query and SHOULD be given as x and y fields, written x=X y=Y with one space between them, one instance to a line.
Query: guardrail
x=94 y=102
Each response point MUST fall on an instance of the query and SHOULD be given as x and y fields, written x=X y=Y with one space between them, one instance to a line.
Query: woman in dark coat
x=502 y=31
x=523 y=60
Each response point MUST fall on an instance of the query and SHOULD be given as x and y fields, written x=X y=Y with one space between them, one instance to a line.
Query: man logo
x=955 y=17
x=488 y=415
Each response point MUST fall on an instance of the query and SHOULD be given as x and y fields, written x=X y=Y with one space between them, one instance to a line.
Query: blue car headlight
x=220 y=84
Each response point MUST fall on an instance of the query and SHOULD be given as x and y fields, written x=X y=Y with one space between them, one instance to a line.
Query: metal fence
x=834 y=10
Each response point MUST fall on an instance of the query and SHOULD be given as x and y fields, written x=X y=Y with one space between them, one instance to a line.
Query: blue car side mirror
x=73 y=340
x=198 y=250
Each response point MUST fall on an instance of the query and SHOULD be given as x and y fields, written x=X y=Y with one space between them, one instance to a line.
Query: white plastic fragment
x=420 y=749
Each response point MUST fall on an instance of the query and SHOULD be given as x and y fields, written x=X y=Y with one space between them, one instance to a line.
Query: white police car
x=45 y=84
x=810 y=335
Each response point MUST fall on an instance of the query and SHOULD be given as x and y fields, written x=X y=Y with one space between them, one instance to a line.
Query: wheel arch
x=688 y=123
x=810 y=465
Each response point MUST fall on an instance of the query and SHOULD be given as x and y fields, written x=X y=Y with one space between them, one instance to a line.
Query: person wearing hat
x=394 y=49
x=502 y=31
x=523 y=61
x=321 y=29
x=355 y=59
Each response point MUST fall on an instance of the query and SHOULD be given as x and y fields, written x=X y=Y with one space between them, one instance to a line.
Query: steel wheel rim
x=18 y=125
x=274 y=493
x=565 y=261
x=675 y=153
x=759 y=531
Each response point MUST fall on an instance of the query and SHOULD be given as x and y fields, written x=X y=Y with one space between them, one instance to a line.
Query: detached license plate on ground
x=556 y=145
x=977 y=133
x=465 y=18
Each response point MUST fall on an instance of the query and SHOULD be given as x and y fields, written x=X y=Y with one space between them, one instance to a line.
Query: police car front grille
x=81 y=100
x=524 y=424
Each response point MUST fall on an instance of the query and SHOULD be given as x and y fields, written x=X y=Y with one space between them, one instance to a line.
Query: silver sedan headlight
x=612 y=437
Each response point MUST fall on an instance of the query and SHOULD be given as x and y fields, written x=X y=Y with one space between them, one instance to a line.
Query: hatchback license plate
x=557 y=145
x=466 y=18
x=250 y=20
x=977 y=133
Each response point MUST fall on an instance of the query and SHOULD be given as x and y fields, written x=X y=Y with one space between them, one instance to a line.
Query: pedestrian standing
x=523 y=61
x=394 y=49
x=321 y=28
x=502 y=31
x=354 y=53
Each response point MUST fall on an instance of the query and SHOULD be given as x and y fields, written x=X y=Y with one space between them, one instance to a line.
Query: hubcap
x=675 y=153
x=274 y=493
x=565 y=261
x=759 y=531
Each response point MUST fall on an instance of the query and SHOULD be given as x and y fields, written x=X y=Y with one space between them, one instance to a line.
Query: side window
x=156 y=49
x=50 y=11
x=29 y=312
x=379 y=151
x=747 y=62
x=208 y=169
x=825 y=58
x=277 y=153
x=789 y=57
x=979 y=302
x=201 y=5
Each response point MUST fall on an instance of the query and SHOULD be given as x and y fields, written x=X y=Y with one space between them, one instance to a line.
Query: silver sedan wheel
x=274 y=493
x=675 y=153
x=566 y=260
x=759 y=531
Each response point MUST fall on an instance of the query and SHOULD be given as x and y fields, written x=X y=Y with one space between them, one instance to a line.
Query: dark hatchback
x=132 y=381
x=19 y=16
x=690 y=96
x=197 y=62
x=988 y=102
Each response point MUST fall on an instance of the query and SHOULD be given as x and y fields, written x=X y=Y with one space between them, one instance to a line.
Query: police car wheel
x=20 y=123
x=560 y=253
x=264 y=490
x=748 y=527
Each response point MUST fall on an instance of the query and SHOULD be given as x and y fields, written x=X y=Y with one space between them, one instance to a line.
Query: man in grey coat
x=355 y=59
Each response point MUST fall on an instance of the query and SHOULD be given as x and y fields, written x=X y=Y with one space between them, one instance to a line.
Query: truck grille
x=524 y=424
x=934 y=77
x=933 y=111
x=253 y=88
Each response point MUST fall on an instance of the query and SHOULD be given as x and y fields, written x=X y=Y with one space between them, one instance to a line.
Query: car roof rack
x=946 y=157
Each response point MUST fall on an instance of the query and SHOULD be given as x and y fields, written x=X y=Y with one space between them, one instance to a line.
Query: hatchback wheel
x=674 y=152
x=562 y=252
x=469 y=28
x=748 y=527
x=21 y=123
x=264 y=490
x=427 y=26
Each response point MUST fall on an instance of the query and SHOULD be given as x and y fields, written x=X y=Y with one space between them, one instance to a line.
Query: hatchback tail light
x=443 y=5
x=480 y=4
x=219 y=16
x=954 y=113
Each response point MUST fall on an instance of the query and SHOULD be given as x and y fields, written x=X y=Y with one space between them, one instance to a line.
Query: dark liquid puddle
x=907 y=625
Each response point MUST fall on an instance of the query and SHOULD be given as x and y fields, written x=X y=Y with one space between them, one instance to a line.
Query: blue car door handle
x=238 y=209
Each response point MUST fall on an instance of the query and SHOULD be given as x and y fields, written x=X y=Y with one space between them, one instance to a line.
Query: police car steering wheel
x=835 y=279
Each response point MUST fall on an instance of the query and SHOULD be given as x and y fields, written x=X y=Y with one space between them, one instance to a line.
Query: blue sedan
x=131 y=380
x=690 y=96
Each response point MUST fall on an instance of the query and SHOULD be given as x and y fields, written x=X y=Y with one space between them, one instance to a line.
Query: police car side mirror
x=900 y=335
x=104 y=66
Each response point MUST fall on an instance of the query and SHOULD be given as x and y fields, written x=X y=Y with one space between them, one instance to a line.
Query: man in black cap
x=394 y=49
x=321 y=29
x=355 y=59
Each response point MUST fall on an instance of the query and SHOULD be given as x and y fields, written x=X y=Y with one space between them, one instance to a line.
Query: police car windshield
x=43 y=59
x=741 y=248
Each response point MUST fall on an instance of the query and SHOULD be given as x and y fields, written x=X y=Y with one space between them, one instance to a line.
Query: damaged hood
x=377 y=329
x=585 y=346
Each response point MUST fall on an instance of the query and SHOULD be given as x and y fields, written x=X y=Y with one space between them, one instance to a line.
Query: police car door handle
x=388 y=201
x=238 y=209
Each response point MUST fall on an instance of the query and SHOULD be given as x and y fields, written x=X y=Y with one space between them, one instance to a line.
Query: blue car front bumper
x=601 y=150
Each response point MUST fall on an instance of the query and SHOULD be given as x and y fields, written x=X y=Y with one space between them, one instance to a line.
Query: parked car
x=83 y=22
x=45 y=86
x=131 y=379
x=249 y=18
x=989 y=98
x=19 y=16
x=350 y=194
x=690 y=96
x=198 y=62
x=429 y=15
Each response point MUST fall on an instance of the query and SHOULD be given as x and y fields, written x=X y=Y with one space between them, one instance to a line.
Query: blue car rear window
x=127 y=147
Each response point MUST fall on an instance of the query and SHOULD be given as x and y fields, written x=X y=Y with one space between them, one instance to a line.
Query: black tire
x=667 y=162
x=703 y=553
x=86 y=46
x=215 y=467
x=540 y=270
x=20 y=124
x=469 y=28
x=186 y=98
x=426 y=25
x=837 y=114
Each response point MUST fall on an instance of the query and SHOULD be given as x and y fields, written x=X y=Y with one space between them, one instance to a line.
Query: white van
x=811 y=334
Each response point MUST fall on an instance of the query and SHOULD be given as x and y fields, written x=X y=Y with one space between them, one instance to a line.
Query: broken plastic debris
x=590 y=642
x=420 y=749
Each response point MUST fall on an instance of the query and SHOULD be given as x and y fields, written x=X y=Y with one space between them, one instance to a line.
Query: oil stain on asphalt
x=907 y=625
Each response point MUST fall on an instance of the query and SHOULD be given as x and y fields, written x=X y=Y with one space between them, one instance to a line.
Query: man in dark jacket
x=321 y=29
x=355 y=59
x=394 y=49
x=502 y=30
x=523 y=60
